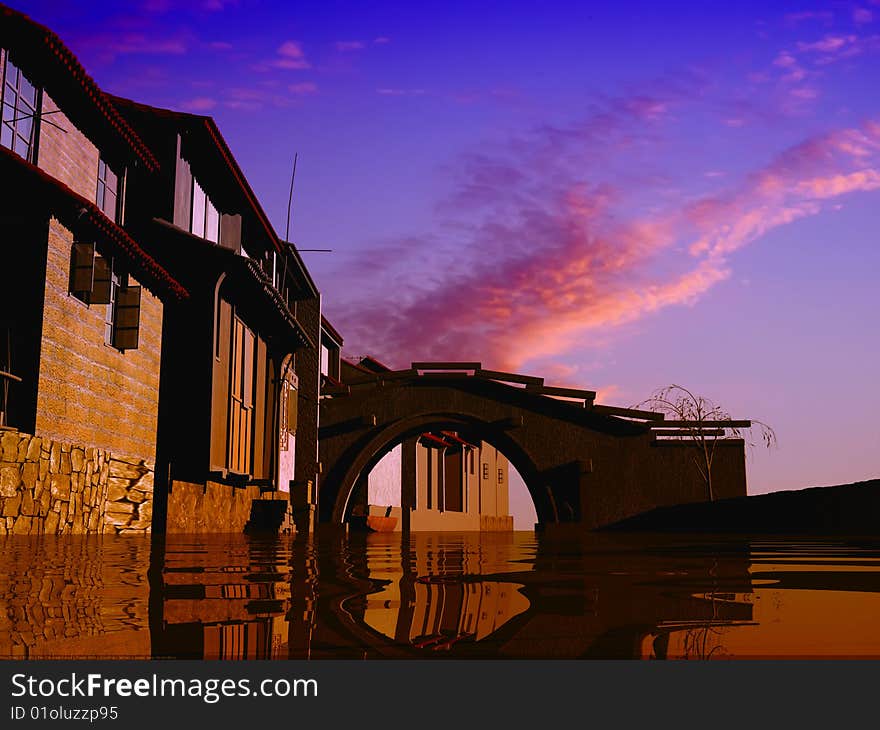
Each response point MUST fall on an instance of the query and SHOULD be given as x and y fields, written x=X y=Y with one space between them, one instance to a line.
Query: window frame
x=15 y=89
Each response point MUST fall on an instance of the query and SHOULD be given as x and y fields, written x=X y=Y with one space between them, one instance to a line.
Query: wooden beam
x=446 y=366
x=704 y=424
x=509 y=377
x=713 y=432
x=563 y=392
x=446 y=375
x=627 y=412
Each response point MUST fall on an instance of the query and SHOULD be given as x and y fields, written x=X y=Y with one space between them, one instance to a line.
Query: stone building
x=81 y=304
x=237 y=437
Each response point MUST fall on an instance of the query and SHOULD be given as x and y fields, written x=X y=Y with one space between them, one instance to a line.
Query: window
x=501 y=476
x=485 y=471
x=241 y=398
x=97 y=280
x=288 y=410
x=21 y=98
x=204 y=218
x=325 y=360
x=107 y=197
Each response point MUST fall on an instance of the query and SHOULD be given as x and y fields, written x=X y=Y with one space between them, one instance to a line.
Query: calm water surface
x=439 y=595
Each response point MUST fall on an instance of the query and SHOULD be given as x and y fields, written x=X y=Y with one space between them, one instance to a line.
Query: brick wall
x=89 y=392
x=69 y=155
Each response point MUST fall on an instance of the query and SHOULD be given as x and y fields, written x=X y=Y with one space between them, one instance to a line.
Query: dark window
x=108 y=198
x=204 y=218
x=126 y=317
x=501 y=476
x=95 y=280
x=21 y=98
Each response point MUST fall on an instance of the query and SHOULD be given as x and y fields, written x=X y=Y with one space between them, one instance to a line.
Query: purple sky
x=615 y=199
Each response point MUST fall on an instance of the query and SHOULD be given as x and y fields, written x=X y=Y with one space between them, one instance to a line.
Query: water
x=439 y=595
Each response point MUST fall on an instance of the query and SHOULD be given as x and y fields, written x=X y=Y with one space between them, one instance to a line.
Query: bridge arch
x=582 y=462
x=340 y=482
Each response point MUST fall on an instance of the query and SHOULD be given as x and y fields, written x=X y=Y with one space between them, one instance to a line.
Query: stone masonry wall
x=50 y=487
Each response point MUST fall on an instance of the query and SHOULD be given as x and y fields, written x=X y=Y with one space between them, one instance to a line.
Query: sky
x=613 y=196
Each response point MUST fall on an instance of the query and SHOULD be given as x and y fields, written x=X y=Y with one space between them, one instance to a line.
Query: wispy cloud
x=199 y=104
x=303 y=88
x=289 y=56
x=532 y=256
x=346 y=46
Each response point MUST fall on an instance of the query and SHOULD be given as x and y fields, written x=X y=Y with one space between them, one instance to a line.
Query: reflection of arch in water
x=341 y=481
x=434 y=612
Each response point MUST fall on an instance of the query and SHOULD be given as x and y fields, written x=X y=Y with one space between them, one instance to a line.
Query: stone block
x=117 y=489
x=45 y=502
x=135 y=495
x=34 y=448
x=145 y=510
x=27 y=503
x=120 y=508
x=54 y=457
x=117 y=519
x=60 y=486
x=65 y=466
x=77 y=460
x=29 y=472
x=44 y=468
x=22 y=526
x=9 y=445
x=10 y=478
x=11 y=507
x=126 y=470
x=22 y=448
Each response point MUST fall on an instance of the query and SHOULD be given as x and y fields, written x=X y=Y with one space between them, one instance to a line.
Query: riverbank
x=842 y=509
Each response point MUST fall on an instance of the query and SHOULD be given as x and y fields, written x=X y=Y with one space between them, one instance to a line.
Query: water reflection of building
x=74 y=597
x=433 y=596
x=224 y=600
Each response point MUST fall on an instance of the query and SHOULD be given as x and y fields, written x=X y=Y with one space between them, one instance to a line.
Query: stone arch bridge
x=583 y=463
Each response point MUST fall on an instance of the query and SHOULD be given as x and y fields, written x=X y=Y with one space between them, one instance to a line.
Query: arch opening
x=469 y=456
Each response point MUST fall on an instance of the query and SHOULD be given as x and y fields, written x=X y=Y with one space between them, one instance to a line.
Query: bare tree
x=698 y=419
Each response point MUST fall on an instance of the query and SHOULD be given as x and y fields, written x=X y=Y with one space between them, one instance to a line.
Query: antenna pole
x=287 y=227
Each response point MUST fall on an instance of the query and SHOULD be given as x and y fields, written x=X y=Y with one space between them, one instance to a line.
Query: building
x=82 y=300
x=159 y=343
x=239 y=368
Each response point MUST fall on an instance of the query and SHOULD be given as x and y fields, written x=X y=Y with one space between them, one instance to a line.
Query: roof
x=269 y=305
x=86 y=220
x=51 y=65
x=331 y=330
x=373 y=365
x=205 y=136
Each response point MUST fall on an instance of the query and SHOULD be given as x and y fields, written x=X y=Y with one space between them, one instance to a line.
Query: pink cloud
x=345 y=46
x=290 y=56
x=306 y=87
x=539 y=263
x=861 y=16
x=199 y=104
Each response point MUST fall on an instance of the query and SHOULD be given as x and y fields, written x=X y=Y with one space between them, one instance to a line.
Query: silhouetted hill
x=848 y=508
